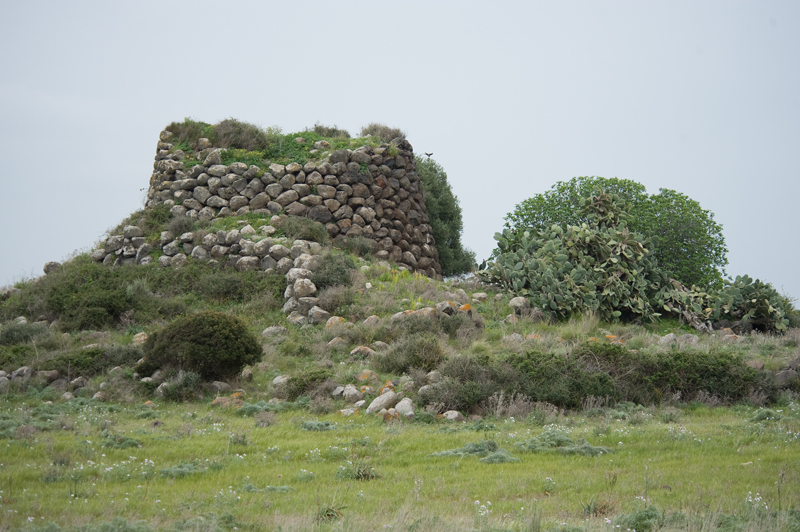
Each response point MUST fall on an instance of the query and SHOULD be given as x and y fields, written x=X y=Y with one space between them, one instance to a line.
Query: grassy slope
x=710 y=458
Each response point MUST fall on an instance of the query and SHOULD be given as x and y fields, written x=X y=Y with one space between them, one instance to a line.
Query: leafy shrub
x=421 y=350
x=158 y=216
x=190 y=130
x=467 y=381
x=330 y=132
x=336 y=298
x=181 y=224
x=360 y=246
x=15 y=356
x=21 y=333
x=611 y=370
x=688 y=243
x=93 y=361
x=303 y=382
x=210 y=343
x=183 y=387
x=232 y=133
x=382 y=131
x=299 y=228
x=446 y=223
x=334 y=269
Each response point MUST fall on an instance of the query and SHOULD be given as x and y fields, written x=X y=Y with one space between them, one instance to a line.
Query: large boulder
x=387 y=400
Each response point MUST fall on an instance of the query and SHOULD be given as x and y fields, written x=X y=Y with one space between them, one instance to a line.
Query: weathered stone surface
x=275 y=330
x=453 y=415
x=337 y=342
x=351 y=394
x=220 y=387
x=480 y=296
x=278 y=251
x=304 y=287
x=387 y=400
x=318 y=315
x=295 y=318
x=362 y=352
x=405 y=407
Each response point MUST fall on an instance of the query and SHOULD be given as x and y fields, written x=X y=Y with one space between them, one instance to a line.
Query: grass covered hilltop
x=144 y=398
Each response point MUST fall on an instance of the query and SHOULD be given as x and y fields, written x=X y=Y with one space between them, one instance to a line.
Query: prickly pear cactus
x=755 y=301
x=598 y=267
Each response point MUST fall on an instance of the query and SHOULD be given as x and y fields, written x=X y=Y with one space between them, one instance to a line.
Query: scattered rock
x=351 y=394
x=369 y=376
x=480 y=296
x=246 y=375
x=363 y=352
x=387 y=400
x=280 y=380
x=335 y=320
x=453 y=415
x=668 y=339
x=317 y=315
x=337 y=342
x=220 y=387
x=275 y=330
x=784 y=378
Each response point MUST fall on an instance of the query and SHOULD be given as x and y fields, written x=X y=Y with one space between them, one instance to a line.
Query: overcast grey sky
x=511 y=97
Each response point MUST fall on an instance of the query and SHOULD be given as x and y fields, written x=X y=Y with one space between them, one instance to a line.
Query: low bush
x=421 y=350
x=330 y=131
x=303 y=382
x=299 y=228
x=181 y=224
x=357 y=245
x=336 y=298
x=212 y=344
x=468 y=381
x=334 y=270
x=232 y=133
x=93 y=361
x=183 y=387
x=382 y=131
x=22 y=333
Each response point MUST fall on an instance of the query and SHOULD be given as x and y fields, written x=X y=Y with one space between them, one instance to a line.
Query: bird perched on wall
x=428 y=154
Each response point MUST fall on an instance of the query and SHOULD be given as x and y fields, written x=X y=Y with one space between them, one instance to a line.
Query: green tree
x=686 y=241
x=444 y=213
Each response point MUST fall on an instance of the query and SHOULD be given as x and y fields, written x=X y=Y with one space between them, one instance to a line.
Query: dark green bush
x=87 y=295
x=421 y=350
x=210 y=343
x=21 y=333
x=334 y=270
x=93 y=361
x=15 y=356
x=299 y=228
x=610 y=370
x=470 y=380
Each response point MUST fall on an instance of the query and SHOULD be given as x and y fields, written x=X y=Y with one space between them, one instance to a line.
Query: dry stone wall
x=372 y=192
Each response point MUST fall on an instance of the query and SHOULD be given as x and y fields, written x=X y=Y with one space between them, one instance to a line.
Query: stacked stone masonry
x=364 y=192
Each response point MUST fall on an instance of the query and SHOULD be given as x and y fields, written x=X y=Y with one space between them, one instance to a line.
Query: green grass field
x=198 y=467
